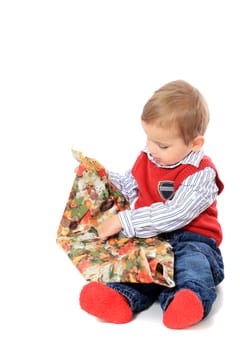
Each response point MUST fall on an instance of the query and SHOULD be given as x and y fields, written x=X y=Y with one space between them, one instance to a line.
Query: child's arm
x=194 y=196
x=125 y=183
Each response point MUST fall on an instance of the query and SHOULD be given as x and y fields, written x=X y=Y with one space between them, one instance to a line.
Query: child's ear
x=197 y=143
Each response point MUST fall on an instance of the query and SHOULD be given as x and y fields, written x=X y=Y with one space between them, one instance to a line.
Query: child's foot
x=103 y=302
x=184 y=310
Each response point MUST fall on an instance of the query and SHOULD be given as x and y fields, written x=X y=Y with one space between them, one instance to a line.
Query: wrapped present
x=92 y=199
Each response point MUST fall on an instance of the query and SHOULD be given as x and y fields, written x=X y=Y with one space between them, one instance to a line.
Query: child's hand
x=109 y=227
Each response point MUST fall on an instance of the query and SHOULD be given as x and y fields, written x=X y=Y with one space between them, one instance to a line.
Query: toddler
x=174 y=186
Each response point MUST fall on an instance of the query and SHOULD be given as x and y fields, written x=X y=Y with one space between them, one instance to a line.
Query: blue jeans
x=198 y=266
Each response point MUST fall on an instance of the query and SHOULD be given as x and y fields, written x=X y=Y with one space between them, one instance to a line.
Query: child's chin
x=158 y=160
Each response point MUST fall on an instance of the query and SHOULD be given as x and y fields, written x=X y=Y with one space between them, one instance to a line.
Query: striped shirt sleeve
x=196 y=193
x=126 y=184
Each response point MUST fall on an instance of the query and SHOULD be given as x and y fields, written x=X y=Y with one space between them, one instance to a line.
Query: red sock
x=103 y=302
x=184 y=310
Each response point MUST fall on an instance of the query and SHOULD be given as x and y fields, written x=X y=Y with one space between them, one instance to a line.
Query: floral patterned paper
x=93 y=199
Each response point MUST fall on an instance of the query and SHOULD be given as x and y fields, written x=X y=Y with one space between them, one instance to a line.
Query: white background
x=78 y=73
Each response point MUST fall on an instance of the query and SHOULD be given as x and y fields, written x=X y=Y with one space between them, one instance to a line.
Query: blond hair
x=180 y=104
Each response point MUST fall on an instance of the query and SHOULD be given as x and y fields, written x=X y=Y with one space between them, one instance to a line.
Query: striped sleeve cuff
x=125 y=219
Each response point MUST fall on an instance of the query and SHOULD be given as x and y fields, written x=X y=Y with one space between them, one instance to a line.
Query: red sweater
x=156 y=184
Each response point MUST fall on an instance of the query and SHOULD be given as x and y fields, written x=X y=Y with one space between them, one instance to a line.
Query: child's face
x=165 y=144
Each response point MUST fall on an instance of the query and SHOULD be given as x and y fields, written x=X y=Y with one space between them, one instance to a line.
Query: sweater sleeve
x=194 y=195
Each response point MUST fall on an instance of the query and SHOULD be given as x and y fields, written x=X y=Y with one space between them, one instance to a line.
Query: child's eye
x=163 y=147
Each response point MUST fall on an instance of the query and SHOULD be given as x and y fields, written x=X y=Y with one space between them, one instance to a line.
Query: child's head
x=177 y=114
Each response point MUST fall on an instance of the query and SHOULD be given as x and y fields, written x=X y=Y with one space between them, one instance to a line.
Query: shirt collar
x=192 y=158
